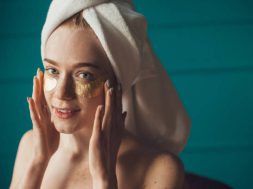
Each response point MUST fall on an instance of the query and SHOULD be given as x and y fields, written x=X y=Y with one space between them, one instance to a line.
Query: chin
x=64 y=128
x=68 y=127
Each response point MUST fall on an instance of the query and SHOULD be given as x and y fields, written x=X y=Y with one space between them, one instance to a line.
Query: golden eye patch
x=83 y=89
x=91 y=89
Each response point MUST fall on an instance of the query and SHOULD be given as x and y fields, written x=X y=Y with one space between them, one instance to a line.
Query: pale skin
x=92 y=149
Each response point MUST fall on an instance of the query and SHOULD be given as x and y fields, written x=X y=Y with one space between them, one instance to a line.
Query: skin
x=92 y=149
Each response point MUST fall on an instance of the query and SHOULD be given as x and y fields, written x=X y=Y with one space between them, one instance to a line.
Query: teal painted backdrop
x=207 y=49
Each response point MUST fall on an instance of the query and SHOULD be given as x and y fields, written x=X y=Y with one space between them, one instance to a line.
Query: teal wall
x=206 y=47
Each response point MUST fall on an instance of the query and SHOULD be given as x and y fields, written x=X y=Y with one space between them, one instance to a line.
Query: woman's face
x=76 y=68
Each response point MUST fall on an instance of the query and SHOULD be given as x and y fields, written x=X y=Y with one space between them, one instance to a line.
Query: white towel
x=155 y=112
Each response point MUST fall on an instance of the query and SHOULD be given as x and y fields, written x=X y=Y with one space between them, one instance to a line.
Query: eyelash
x=90 y=76
x=48 y=70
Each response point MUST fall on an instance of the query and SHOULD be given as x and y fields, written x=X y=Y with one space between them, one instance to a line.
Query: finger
x=37 y=100
x=40 y=100
x=33 y=113
x=119 y=106
x=96 y=131
x=39 y=81
x=124 y=116
x=43 y=102
x=34 y=93
x=119 y=116
x=119 y=98
x=109 y=95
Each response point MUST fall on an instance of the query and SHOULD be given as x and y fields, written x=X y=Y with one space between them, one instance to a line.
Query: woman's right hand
x=45 y=136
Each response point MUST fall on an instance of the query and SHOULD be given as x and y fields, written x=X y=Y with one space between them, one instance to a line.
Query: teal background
x=207 y=49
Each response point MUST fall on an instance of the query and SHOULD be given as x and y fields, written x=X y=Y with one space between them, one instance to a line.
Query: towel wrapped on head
x=155 y=113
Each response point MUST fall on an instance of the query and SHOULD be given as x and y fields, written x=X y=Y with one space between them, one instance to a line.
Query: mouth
x=65 y=113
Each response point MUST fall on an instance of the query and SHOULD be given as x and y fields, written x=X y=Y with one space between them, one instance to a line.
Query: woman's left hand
x=105 y=140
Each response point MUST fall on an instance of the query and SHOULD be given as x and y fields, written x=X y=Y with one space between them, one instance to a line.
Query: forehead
x=68 y=46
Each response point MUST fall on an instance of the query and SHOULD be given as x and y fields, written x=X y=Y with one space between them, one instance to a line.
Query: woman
x=79 y=139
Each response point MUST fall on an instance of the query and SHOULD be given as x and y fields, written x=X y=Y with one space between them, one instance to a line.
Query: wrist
x=33 y=175
x=39 y=161
x=100 y=184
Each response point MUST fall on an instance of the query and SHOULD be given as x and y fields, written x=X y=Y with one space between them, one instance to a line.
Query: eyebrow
x=77 y=65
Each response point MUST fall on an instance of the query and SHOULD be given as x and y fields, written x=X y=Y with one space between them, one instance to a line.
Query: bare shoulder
x=159 y=169
x=165 y=171
x=168 y=161
x=23 y=157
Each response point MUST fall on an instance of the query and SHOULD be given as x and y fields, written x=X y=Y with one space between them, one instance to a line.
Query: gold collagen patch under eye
x=91 y=89
x=49 y=83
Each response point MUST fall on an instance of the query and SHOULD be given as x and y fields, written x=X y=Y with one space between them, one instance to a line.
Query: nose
x=65 y=89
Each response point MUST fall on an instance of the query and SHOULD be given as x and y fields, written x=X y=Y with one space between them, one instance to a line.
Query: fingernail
x=27 y=98
x=101 y=108
x=101 y=111
x=38 y=69
x=111 y=91
x=108 y=83
x=35 y=77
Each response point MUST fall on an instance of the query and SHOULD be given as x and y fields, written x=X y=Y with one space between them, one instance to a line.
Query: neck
x=75 y=145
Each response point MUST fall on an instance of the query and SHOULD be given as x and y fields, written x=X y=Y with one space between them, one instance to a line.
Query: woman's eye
x=86 y=75
x=51 y=71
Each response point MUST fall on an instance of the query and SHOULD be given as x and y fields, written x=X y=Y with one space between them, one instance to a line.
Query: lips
x=65 y=113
